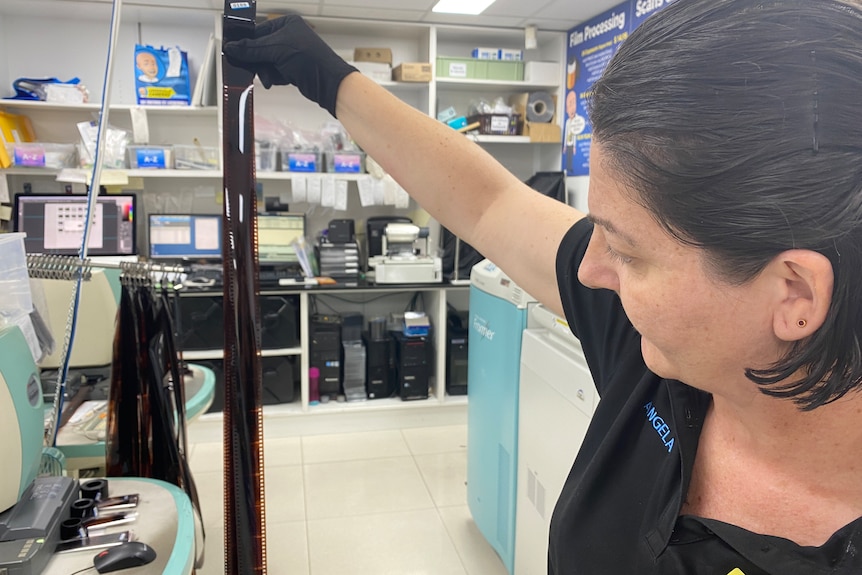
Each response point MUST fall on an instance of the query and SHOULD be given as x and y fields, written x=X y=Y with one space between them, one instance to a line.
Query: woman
x=712 y=285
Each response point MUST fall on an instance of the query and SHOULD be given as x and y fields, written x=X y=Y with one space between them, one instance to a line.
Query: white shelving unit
x=68 y=38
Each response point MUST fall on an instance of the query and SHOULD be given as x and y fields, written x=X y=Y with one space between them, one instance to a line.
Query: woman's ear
x=804 y=281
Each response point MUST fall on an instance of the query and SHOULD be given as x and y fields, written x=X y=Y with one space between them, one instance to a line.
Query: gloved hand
x=287 y=51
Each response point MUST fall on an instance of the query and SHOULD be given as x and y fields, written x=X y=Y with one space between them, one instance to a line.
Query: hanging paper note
x=341 y=195
x=314 y=189
x=327 y=194
x=366 y=192
x=299 y=187
x=402 y=199
x=379 y=192
x=389 y=187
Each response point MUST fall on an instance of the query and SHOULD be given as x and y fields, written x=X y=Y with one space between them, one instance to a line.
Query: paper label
x=500 y=124
x=457 y=70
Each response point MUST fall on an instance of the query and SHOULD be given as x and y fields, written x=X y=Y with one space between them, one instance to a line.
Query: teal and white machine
x=498 y=317
x=22 y=417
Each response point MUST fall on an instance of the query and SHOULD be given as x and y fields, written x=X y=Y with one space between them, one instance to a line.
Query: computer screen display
x=54 y=224
x=275 y=234
x=185 y=236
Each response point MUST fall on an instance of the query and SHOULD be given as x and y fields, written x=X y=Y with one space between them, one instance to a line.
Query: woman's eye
x=616 y=256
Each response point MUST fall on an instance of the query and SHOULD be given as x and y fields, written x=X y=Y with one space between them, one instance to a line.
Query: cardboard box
x=542 y=133
x=412 y=72
x=505 y=54
x=377 y=71
x=486 y=53
x=383 y=55
x=548 y=73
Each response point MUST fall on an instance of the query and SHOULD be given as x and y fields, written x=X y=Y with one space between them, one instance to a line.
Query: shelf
x=94 y=107
x=466 y=84
x=262 y=176
x=371 y=405
x=83 y=175
x=198 y=355
x=206 y=174
x=500 y=139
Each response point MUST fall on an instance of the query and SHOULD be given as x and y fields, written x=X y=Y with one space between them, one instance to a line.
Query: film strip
x=245 y=519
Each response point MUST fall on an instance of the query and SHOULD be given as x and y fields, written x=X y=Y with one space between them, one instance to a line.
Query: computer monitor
x=185 y=236
x=275 y=235
x=54 y=224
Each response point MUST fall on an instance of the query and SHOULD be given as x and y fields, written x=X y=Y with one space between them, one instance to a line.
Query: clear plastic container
x=265 y=156
x=43 y=155
x=345 y=162
x=196 y=157
x=14 y=279
x=300 y=161
x=150 y=157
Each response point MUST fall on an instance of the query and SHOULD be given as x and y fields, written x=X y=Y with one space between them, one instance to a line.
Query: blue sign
x=590 y=47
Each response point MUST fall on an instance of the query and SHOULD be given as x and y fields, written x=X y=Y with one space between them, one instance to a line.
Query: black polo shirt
x=618 y=513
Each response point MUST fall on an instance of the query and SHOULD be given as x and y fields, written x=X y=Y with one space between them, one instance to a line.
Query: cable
x=92 y=194
x=82 y=570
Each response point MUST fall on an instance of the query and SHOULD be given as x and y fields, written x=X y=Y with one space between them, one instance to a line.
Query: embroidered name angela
x=662 y=428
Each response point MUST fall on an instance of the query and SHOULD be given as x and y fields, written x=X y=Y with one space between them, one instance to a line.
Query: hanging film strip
x=245 y=534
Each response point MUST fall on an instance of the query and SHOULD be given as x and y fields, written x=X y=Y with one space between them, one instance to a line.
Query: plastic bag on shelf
x=116 y=141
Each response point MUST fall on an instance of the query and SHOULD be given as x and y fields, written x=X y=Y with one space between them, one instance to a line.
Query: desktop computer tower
x=353 y=357
x=325 y=351
x=279 y=376
x=378 y=372
x=456 y=353
x=412 y=365
x=379 y=375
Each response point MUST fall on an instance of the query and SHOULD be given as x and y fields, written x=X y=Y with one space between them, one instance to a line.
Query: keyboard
x=204 y=275
x=271 y=277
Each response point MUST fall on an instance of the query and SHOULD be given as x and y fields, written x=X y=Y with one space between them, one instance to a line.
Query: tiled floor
x=377 y=503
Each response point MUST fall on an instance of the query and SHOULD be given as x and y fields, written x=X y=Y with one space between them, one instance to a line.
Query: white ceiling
x=545 y=14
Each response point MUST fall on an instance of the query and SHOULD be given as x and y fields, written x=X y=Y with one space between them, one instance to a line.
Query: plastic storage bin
x=196 y=157
x=301 y=161
x=265 y=156
x=345 y=162
x=43 y=155
x=14 y=279
x=467 y=68
x=150 y=157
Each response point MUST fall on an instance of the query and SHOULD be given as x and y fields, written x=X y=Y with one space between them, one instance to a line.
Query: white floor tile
x=210 y=485
x=353 y=446
x=282 y=451
x=214 y=554
x=284 y=493
x=409 y=542
x=476 y=553
x=441 y=439
x=207 y=457
x=360 y=487
x=445 y=475
x=287 y=549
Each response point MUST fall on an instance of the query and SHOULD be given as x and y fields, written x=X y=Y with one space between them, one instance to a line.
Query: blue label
x=302 y=162
x=347 y=163
x=151 y=158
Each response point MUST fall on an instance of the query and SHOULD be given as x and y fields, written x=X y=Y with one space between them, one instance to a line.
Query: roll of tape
x=540 y=107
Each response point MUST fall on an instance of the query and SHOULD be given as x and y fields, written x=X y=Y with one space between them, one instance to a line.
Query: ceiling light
x=462 y=6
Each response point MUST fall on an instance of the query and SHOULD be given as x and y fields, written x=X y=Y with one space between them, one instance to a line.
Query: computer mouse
x=129 y=554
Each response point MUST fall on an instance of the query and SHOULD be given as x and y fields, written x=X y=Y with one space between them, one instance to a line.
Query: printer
x=404 y=260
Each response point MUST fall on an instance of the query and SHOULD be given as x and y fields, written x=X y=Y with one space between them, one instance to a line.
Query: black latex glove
x=287 y=51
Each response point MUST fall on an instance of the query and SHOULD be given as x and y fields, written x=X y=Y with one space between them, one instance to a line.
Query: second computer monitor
x=275 y=237
x=185 y=236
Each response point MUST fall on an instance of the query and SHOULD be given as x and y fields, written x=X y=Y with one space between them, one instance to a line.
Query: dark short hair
x=738 y=125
